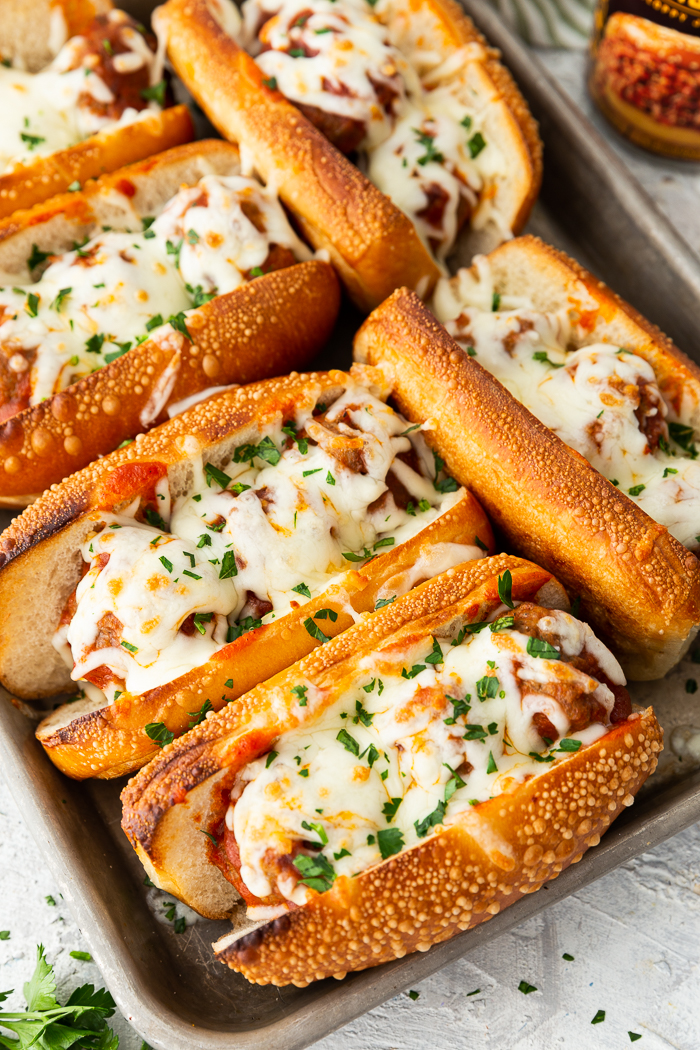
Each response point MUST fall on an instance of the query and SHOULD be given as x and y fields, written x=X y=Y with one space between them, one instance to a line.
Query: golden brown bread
x=180 y=792
x=453 y=881
x=30 y=184
x=371 y=243
x=111 y=742
x=639 y=586
x=265 y=327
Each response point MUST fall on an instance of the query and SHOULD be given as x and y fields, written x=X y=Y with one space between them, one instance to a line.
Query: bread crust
x=183 y=785
x=458 y=878
x=30 y=184
x=26 y=32
x=111 y=742
x=372 y=244
x=266 y=327
x=639 y=586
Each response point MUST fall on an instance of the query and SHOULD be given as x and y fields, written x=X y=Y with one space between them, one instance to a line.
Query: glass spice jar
x=645 y=72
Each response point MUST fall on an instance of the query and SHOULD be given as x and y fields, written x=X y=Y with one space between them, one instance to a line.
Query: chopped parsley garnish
x=388 y=541
x=475 y=732
x=636 y=490
x=390 y=841
x=200 y=619
x=179 y=323
x=166 y=563
x=461 y=707
x=270 y=759
x=266 y=450
x=114 y=354
x=415 y=670
x=155 y=322
x=248 y=623
x=343 y=853
x=257 y=271
x=538 y=647
x=541 y=758
x=308 y=473
x=569 y=958
x=155 y=93
x=270 y=82
x=326 y=614
x=487 y=687
x=199 y=716
x=542 y=356
x=505 y=589
x=599 y=1017
x=362 y=715
x=32 y=141
x=83 y=956
x=491 y=767
x=32 y=304
x=567 y=744
x=315 y=630
x=349 y=556
x=199 y=296
x=204 y=540
x=317 y=872
x=413 y=995
x=634 y=1036
x=302 y=588
x=93 y=345
x=381 y=602
x=153 y=518
x=669 y=470
x=683 y=436
x=475 y=992
x=526 y=988
x=61 y=295
x=476 y=143
x=372 y=756
x=37 y=257
x=480 y=544
x=213 y=473
x=300 y=691
x=228 y=566
x=187 y=572
x=427 y=141
x=348 y=742
x=317 y=828
x=446 y=484
x=503 y=623
x=389 y=809
x=159 y=733
x=435 y=657
x=409 y=430
x=131 y=648
x=330 y=480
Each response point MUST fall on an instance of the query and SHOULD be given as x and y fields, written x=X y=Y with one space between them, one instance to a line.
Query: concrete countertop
x=634 y=934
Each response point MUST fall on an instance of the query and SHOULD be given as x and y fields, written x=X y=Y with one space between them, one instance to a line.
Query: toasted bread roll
x=409 y=87
x=385 y=790
x=638 y=585
x=277 y=514
x=97 y=106
x=261 y=327
x=370 y=242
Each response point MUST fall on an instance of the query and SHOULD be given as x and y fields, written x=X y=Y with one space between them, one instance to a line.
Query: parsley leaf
x=538 y=647
x=317 y=872
x=389 y=809
x=505 y=588
x=159 y=733
x=348 y=742
x=302 y=588
x=390 y=841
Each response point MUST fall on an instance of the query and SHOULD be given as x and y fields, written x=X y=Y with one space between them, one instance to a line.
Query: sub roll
x=81 y=92
x=160 y=280
x=409 y=90
x=573 y=420
x=175 y=574
x=406 y=781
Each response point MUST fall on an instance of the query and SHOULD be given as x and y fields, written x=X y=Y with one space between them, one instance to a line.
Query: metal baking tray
x=168 y=985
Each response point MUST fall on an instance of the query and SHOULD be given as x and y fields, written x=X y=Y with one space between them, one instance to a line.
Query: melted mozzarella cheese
x=591 y=397
x=425 y=145
x=375 y=771
x=52 y=110
x=280 y=530
x=92 y=304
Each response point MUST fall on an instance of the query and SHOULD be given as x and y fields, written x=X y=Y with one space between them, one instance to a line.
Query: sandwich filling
x=92 y=304
x=168 y=582
x=109 y=75
x=413 y=738
x=356 y=71
x=602 y=400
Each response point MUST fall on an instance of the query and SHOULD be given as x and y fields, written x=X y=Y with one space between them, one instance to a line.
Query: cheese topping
x=71 y=98
x=412 y=741
x=420 y=133
x=250 y=541
x=93 y=303
x=602 y=400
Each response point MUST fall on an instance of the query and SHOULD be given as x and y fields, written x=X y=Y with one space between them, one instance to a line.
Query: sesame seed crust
x=639 y=586
x=489 y=858
x=263 y=328
x=194 y=769
x=30 y=184
x=372 y=244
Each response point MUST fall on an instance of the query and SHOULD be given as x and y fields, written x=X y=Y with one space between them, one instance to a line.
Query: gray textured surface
x=634 y=934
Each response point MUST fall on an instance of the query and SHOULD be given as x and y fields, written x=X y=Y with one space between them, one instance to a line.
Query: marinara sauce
x=645 y=72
